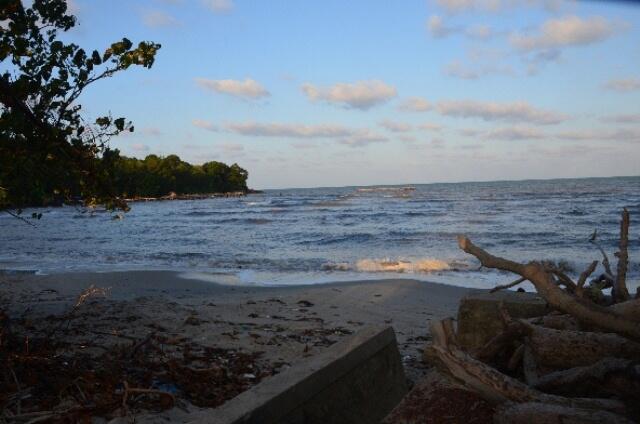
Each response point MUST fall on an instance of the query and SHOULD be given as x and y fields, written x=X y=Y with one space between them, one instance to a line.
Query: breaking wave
x=417 y=266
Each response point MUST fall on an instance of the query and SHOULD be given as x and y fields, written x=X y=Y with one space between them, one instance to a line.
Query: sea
x=321 y=235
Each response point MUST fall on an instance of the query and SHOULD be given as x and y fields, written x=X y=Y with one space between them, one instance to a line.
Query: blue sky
x=334 y=93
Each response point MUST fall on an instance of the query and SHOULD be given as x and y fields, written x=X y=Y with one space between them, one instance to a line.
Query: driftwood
x=544 y=413
x=546 y=287
x=620 y=292
x=556 y=321
x=583 y=278
x=629 y=309
x=489 y=382
x=529 y=365
x=606 y=377
x=565 y=348
x=579 y=363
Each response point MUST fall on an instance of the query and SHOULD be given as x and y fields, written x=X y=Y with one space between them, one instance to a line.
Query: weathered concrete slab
x=479 y=314
x=358 y=380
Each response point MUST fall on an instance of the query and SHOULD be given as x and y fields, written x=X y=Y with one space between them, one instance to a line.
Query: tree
x=48 y=151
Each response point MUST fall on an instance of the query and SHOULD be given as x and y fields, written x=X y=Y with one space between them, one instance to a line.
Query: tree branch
x=508 y=286
x=620 y=292
x=585 y=311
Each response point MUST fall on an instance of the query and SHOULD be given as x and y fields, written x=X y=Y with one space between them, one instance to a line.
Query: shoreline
x=163 y=296
x=246 y=277
x=274 y=327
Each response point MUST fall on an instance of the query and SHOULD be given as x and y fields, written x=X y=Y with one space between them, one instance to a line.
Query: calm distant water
x=330 y=234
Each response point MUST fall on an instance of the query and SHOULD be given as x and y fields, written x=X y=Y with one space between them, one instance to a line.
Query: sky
x=336 y=93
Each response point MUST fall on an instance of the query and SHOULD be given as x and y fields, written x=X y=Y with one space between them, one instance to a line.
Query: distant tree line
x=156 y=176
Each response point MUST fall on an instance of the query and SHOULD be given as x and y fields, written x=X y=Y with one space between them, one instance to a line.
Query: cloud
x=437 y=143
x=457 y=6
x=480 y=32
x=490 y=111
x=140 y=147
x=394 y=126
x=218 y=6
x=304 y=145
x=623 y=85
x=624 y=134
x=415 y=104
x=247 y=89
x=358 y=95
x=469 y=132
x=562 y=32
x=471 y=146
x=495 y=6
x=72 y=7
x=205 y=125
x=151 y=131
x=457 y=69
x=437 y=27
x=157 y=19
x=363 y=138
x=430 y=127
x=289 y=130
x=623 y=119
x=513 y=134
x=232 y=147
x=541 y=58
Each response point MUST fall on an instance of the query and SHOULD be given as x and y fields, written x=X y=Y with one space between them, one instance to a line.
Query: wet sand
x=283 y=324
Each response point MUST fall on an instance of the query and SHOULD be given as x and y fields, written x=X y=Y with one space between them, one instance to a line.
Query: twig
x=620 y=292
x=508 y=286
x=132 y=390
x=583 y=278
x=139 y=344
x=564 y=279
x=516 y=358
x=605 y=258
x=19 y=403
x=15 y=215
x=585 y=274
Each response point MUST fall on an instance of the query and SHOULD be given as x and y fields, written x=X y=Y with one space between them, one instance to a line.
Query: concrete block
x=479 y=314
x=357 y=380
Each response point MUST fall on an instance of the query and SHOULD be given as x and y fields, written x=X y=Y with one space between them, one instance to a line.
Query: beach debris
x=578 y=362
x=61 y=369
x=193 y=320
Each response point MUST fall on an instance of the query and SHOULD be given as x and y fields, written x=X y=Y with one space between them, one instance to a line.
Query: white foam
x=415 y=266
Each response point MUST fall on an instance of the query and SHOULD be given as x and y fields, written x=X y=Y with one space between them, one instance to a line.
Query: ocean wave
x=348 y=238
x=417 y=266
x=400 y=266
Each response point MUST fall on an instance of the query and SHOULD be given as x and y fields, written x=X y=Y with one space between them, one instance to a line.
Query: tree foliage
x=47 y=150
x=155 y=176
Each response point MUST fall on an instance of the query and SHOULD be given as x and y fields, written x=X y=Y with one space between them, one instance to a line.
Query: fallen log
x=582 y=309
x=544 y=413
x=629 y=309
x=556 y=321
x=500 y=342
x=492 y=384
x=529 y=366
x=607 y=377
x=567 y=348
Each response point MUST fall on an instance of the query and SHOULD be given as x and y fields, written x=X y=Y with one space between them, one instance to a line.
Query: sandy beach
x=278 y=325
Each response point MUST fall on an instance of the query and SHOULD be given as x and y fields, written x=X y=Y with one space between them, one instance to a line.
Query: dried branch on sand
x=560 y=372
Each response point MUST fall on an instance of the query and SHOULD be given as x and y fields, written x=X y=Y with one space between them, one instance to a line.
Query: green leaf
x=95 y=56
x=119 y=123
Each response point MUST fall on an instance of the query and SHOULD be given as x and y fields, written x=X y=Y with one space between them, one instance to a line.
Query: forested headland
x=156 y=176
